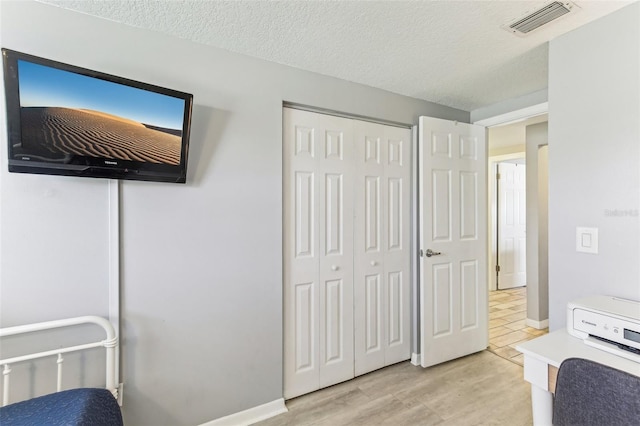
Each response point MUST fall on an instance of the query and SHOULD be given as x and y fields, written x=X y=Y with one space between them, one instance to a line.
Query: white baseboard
x=415 y=359
x=537 y=324
x=252 y=415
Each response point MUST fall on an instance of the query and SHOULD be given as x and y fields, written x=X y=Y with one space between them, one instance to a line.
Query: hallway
x=507 y=328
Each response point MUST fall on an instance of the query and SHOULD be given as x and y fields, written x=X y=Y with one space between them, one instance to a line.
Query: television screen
x=66 y=120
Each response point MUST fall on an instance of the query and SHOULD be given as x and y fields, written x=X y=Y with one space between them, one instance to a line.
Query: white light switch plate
x=587 y=240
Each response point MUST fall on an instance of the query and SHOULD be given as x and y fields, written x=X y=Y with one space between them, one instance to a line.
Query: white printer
x=607 y=323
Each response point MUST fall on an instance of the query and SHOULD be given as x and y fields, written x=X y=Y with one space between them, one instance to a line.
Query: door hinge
x=497 y=176
x=497 y=268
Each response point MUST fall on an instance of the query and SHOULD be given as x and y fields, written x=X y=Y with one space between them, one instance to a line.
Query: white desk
x=542 y=357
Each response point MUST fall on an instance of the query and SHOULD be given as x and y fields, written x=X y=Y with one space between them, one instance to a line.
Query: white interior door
x=382 y=246
x=318 y=251
x=452 y=198
x=512 y=226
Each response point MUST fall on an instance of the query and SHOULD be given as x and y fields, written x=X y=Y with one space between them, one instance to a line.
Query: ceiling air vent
x=539 y=17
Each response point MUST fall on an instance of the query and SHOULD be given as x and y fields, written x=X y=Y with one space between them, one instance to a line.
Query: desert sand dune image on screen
x=55 y=133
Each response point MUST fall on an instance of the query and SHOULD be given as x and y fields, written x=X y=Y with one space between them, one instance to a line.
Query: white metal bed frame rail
x=110 y=344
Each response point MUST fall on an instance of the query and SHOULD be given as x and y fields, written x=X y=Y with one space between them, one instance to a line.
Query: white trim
x=415 y=260
x=252 y=415
x=114 y=270
x=325 y=111
x=415 y=359
x=537 y=324
x=505 y=157
x=114 y=253
x=515 y=116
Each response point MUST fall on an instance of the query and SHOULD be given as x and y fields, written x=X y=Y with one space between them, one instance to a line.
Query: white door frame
x=498 y=120
x=514 y=116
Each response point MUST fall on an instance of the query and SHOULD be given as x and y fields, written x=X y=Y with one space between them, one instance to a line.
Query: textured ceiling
x=450 y=52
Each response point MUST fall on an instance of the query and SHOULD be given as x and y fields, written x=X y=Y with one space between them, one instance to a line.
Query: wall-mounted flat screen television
x=67 y=120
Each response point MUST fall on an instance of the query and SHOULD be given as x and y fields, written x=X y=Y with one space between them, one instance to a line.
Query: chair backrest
x=588 y=393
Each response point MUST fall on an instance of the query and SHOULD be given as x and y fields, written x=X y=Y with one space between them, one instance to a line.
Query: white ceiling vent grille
x=539 y=17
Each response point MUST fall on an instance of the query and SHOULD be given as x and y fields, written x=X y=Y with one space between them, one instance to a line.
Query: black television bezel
x=95 y=167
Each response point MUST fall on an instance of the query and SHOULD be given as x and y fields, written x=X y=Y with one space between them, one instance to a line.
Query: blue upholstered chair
x=588 y=393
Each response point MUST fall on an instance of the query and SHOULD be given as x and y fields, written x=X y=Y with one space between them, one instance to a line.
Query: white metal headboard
x=110 y=344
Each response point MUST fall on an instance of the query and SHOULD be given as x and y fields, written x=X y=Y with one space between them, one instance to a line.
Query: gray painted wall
x=201 y=262
x=537 y=283
x=594 y=158
x=543 y=232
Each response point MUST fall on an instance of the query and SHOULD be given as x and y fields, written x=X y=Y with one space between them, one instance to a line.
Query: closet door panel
x=381 y=229
x=369 y=280
x=335 y=214
x=397 y=256
x=301 y=254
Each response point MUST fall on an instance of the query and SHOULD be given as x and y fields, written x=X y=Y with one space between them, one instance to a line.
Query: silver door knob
x=373 y=263
x=432 y=253
x=334 y=267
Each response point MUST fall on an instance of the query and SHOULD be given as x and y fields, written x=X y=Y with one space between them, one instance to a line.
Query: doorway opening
x=510 y=249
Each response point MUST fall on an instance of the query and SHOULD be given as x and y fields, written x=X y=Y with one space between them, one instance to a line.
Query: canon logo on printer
x=113 y=163
x=587 y=322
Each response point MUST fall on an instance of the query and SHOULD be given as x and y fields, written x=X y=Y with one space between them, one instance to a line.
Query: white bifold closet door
x=346 y=258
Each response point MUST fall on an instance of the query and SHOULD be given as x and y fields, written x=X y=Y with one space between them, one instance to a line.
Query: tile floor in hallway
x=507 y=328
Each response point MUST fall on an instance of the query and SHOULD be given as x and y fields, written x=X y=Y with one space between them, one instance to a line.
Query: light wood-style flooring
x=507 y=328
x=486 y=388
x=480 y=389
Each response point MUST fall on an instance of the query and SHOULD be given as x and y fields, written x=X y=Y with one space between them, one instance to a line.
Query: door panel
x=441 y=205
x=336 y=263
x=395 y=218
x=397 y=258
x=452 y=199
x=442 y=299
x=372 y=214
x=396 y=308
x=305 y=345
x=304 y=214
x=334 y=209
x=373 y=309
x=470 y=291
x=468 y=205
x=318 y=251
x=370 y=242
x=301 y=254
x=333 y=321
x=440 y=144
x=382 y=208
